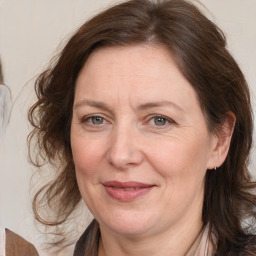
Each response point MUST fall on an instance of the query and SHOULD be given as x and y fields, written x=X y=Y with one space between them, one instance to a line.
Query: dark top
x=88 y=243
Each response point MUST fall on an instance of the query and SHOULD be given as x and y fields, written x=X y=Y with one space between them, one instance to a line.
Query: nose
x=124 y=151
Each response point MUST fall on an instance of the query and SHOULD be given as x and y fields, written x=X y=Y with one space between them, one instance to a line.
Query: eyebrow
x=160 y=104
x=92 y=103
x=145 y=106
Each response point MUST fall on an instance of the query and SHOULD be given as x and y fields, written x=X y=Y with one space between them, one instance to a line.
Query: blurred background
x=31 y=33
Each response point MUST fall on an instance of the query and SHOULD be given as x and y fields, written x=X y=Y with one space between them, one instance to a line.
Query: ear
x=221 y=142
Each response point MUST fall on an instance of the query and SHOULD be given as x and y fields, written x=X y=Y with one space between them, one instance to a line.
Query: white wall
x=30 y=31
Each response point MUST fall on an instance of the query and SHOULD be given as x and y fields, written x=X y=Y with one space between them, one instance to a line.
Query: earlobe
x=221 y=141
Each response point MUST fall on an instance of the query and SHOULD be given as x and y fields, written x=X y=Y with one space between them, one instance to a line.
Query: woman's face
x=140 y=142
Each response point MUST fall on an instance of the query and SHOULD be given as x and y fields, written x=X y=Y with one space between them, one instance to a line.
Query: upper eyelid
x=85 y=121
x=161 y=116
x=103 y=116
x=88 y=117
x=107 y=118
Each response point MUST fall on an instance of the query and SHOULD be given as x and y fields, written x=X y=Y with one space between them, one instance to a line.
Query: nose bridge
x=124 y=148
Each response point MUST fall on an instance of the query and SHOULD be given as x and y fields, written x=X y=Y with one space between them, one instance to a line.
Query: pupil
x=160 y=121
x=97 y=120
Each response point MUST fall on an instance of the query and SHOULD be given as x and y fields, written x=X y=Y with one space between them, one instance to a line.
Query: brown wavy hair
x=199 y=49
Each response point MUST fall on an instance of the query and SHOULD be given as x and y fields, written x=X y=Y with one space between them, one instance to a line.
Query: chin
x=128 y=224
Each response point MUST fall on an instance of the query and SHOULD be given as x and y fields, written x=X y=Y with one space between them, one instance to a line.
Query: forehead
x=135 y=58
x=141 y=72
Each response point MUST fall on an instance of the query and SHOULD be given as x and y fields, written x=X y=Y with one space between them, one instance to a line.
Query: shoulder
x=16 y=245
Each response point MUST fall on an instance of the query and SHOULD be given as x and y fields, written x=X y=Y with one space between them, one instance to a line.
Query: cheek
x=182 y=166
x=86 y=155
x=180 y=159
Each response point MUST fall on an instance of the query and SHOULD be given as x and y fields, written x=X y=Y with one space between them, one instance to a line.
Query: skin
x=136 y=118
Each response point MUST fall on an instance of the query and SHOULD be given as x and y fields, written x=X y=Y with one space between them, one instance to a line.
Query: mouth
x=126 y=191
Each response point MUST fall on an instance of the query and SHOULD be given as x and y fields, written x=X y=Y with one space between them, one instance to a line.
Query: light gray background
x=30 y=32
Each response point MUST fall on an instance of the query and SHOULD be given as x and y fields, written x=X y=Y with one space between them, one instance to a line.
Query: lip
x=127 y=191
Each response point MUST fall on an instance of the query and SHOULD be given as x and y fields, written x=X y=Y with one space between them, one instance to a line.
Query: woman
x=147 y=117
x=11 y=244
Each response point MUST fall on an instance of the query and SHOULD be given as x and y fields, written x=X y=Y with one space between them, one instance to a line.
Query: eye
x=94 y=120
x=159 y=120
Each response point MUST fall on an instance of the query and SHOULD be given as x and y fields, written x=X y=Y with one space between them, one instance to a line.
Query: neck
x=178 y=241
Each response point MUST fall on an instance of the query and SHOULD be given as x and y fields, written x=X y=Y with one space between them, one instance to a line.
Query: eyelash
x=167 y=121
x=87 y=118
